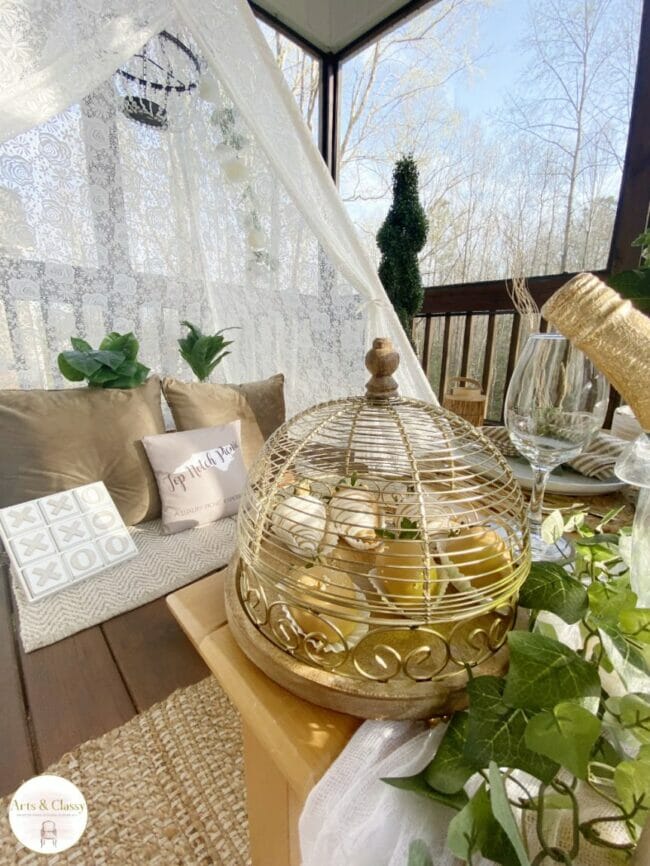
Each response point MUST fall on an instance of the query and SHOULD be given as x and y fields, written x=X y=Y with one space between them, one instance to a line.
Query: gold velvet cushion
x=258 y=405
x=54 y=440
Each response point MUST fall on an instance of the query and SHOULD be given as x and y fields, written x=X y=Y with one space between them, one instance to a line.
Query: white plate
x=563 y=480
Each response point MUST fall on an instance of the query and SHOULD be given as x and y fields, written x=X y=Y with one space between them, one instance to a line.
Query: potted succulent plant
x=203 y=351
x=113 y=365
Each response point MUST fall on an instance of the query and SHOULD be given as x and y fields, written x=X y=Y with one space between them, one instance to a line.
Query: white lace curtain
x=106 y=224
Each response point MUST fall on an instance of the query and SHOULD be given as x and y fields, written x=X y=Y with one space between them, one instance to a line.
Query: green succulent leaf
x=124 y=343
x=113 y=365
x=503 y=813
x=132 y=380
x=418 y=784
x=111 y=359
x=550 y=587
x=566 y=734
x=495 y=732
x=475 y=829
x=80 y=345
x=543 y=672
x=449 y=769
x=82 y=362
x=68 y=371
x=102 y=377
x=203 y=352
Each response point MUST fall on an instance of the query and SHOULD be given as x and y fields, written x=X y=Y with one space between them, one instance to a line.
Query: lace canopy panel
x=224 y=216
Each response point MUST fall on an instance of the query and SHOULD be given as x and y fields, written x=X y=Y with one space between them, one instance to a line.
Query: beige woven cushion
x=55 y=440
x=258 y=405
x=163 y=564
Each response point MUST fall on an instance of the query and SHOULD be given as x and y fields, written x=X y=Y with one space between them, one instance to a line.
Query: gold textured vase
x=611 y=332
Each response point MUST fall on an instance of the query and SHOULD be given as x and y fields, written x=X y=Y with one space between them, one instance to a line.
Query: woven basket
x=468 y=402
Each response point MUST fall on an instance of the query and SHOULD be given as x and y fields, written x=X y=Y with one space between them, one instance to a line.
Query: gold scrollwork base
x=405 y=697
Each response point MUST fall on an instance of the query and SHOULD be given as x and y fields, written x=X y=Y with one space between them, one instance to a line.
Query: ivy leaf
x=630 y=660
x=503 y=813
x=607 y=600
x=449 y=770
x=634 y=713
x=635 y=624
x=550 y=587
x=605 y=753
x=543 y=672
x=418 y=784
x=476 y=829
x=552 y=527
x=495 y=732
x=632 y=783
x=597 y=539
x=566 y=734
x=419 y=854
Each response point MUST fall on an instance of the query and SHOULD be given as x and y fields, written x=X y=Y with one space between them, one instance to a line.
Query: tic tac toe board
x=61 y=539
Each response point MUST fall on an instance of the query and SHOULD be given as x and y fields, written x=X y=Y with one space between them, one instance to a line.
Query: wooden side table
x=288 y=743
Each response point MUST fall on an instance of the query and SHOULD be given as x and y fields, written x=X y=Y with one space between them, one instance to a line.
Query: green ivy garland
x=553 y=716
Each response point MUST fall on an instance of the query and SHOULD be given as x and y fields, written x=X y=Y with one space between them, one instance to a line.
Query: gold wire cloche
x=382 y=544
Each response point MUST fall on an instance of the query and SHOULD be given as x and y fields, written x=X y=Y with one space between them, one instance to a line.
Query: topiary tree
x=400 y=239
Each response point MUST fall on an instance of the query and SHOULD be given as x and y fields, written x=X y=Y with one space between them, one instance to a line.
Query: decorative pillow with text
x=200 y=474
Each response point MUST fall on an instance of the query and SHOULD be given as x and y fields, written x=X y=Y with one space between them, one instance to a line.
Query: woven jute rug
x=166 y=788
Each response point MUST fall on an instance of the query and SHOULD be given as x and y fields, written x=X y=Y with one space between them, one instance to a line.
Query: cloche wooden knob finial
x=382 y=361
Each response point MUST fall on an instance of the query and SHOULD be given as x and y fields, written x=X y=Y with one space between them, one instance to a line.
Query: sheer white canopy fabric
x=228 y=219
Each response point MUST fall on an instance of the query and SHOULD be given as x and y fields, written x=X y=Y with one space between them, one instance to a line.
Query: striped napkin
x=596 y=462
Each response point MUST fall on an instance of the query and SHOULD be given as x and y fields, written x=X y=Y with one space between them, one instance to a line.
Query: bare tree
x=567 y=79
x=530 y=191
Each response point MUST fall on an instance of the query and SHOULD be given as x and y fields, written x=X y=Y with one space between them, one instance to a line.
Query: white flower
x=440 y=520
x=300 y=523
x=389 y=493
x=355 y=517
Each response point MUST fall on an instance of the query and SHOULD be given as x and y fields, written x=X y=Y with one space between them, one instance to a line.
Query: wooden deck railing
x=474 y=330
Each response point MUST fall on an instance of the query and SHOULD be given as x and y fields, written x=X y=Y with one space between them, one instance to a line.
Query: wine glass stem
x=540 y=477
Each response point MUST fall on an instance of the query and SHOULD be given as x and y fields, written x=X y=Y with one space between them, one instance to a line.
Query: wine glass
x=556 y=402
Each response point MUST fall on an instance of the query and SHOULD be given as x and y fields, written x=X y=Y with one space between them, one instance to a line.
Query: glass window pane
x=517 y=113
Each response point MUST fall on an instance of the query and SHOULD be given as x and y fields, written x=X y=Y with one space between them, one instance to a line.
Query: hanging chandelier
x=156 y=85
